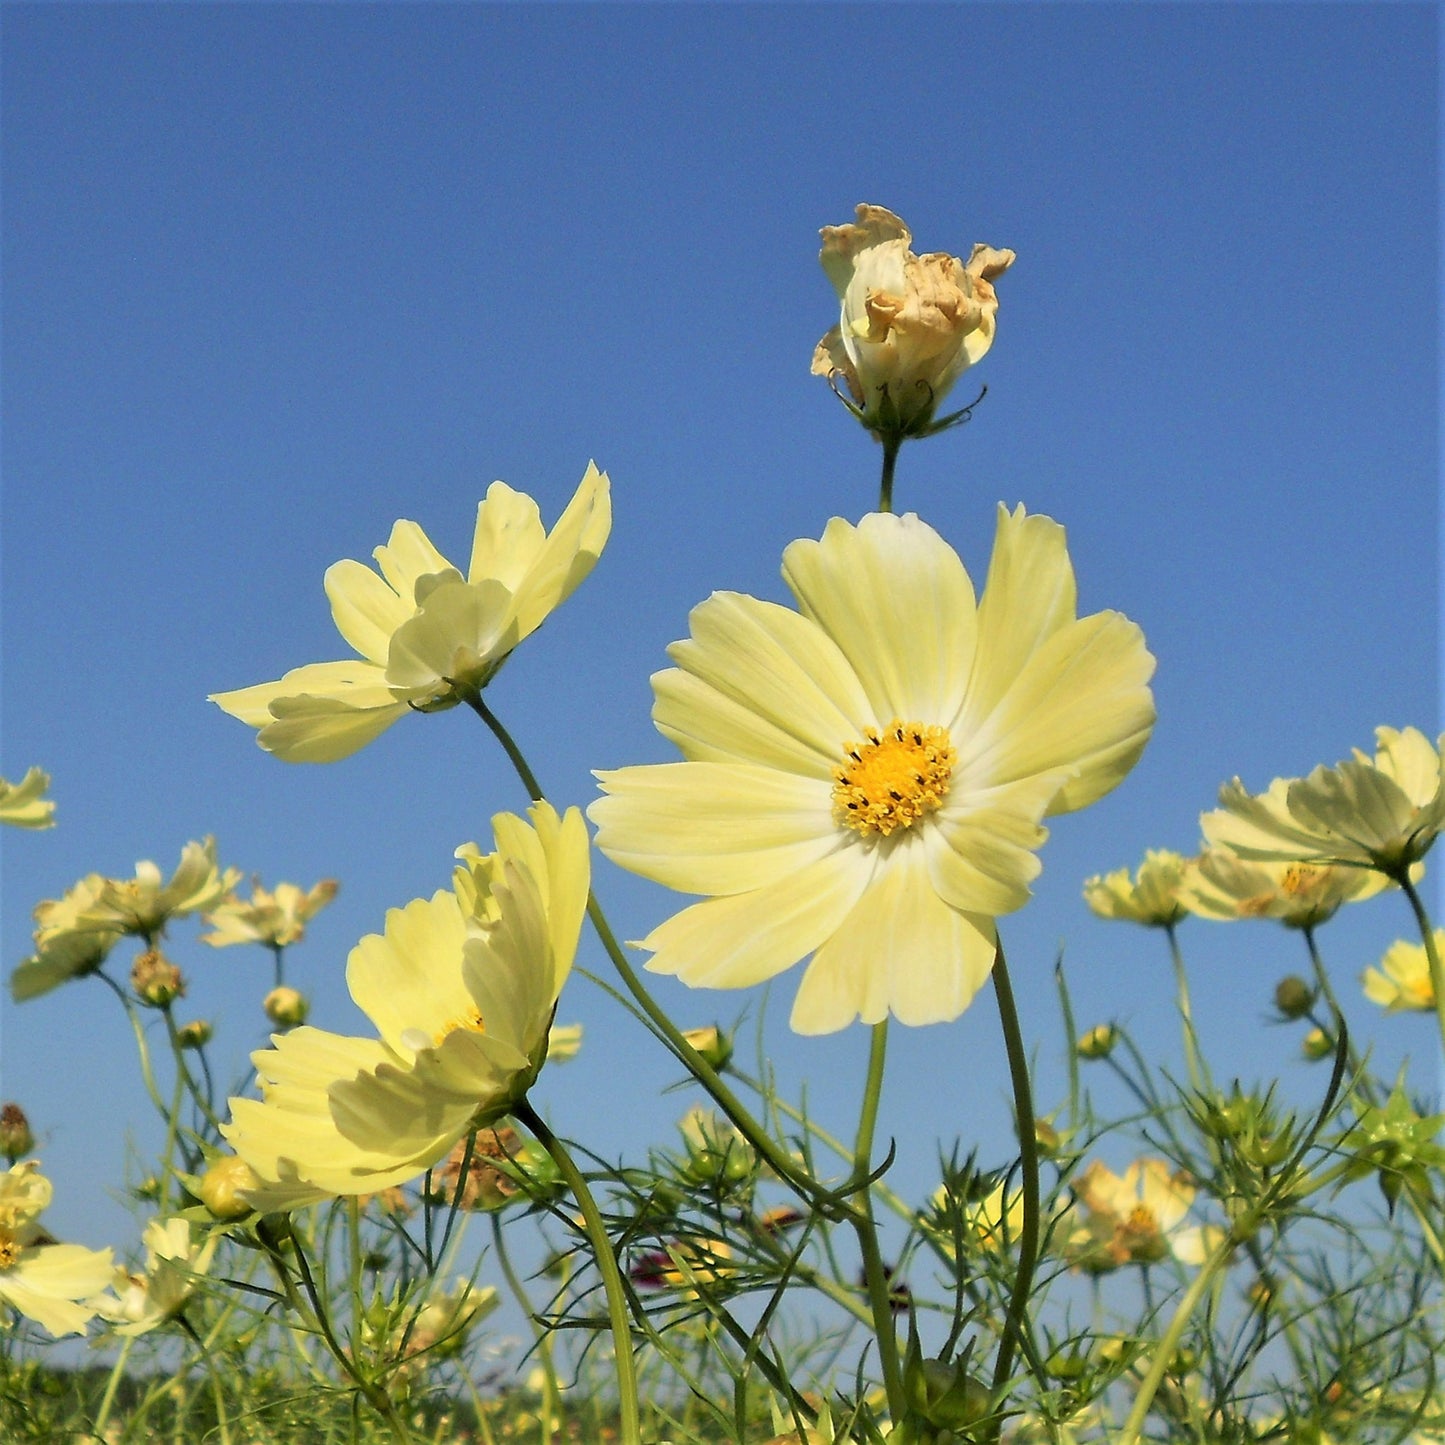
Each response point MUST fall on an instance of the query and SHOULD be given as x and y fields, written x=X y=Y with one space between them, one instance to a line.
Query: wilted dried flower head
x=156 y=980
x=909 y=327
x=486 y=1185
x=15 y=1136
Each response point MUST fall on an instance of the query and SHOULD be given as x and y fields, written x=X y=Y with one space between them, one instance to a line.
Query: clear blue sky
x=275 y=276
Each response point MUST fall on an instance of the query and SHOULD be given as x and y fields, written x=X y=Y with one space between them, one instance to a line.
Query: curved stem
x=875 y=1273
x=1327 y=992
x=513 y=752
x=111 y=1385
x=1432 y=953
x=602 y=1249
x=1018 y=1065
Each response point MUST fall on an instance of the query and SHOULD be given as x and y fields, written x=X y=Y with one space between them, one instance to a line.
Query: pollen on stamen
x=893 y=777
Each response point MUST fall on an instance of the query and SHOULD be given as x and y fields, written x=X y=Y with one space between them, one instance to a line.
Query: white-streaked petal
x=713 y=828
x=897 y=601
x=741 y=940
x=901 y=950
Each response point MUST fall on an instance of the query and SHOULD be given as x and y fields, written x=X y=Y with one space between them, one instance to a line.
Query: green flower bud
x=1293 y=997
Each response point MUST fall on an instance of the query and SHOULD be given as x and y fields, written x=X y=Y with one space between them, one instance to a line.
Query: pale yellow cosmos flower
x=428 y=638
x=142 y=906
x=1300 y=895
x=174 y=1261
x=462 y=988
x=865 y=780
x=276 y=920
x=1382 y=812
x=23 y=804
x=1135 y=1218
x=1150 y=897
x=1402 y=981
x=910 y=326
x=49 y=1283
x=65 y=948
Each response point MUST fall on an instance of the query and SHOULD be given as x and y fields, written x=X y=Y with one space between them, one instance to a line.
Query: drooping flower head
x=274 y=919
x=174 y=1261
x=1382 y=812
x=427 y=636
x=1151 y=897
x=865 y=779
x=52 y=1284
x=462 y=988
x=910 y=326
x=65 y=948
x=24 y=804
x=1299 y=895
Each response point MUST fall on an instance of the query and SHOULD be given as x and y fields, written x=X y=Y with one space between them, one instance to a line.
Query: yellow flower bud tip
x=1293 y=997
x=1317 y=1045
x=224 y=1185
x=1098 y=1042
x=286 y=1007
x=156 y=980
x=712 y=1043
x=194 y=1035
x=15 y=1136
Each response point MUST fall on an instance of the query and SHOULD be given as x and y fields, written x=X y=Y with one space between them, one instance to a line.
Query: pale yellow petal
x=361 y=684
x=901 y=950
x=741 y=940
x=894 y=597
x=407 y=557
x=457 y=638
x=507 y=538
x=713 y=828
x=365 y=608
x=569 y=553
x=310 y=729
x=777 y=664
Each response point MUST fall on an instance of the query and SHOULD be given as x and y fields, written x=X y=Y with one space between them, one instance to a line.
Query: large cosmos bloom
x=428 y=637
x=1382 y=812
x=865 y=779
x=462 y=988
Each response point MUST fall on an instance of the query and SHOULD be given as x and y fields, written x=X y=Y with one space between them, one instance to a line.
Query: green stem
x=1018 y=1064
x=513 y=752
x=602 y=1249
x=875 y=1273
x=1327 y=992
x=1186 y=1011
x=1169 y=1343
x=891 y=447
x=551 y=1395
x=111 y=1385
x=1432 y=953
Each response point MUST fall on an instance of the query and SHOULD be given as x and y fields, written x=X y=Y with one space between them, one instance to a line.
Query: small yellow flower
x=1098 y=1042
x=428 y=637
x=440 y=1328
x=1151 y=897
x=910 y=326
x=275 y=919
x=52 y=1284
x=23 y=804
x=1402 y=981
x=1299 y=895
x=65 y=948
x=174 y=1261
x=1382 y=812
x=463 y=998
x=1135 y=1218
x=865 y=780
x=142 y=906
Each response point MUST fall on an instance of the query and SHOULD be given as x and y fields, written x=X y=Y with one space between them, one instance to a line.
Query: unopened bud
x=223 y=1184
x=1316 y=1045
x=194 y=1035
x=712 y=1043
x=1099 y=1042
x=15 y=1136
x=1293 y=997
x=156 y=980
x=286 y=1007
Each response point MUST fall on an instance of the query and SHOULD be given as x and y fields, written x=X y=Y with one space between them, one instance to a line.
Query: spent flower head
x=865 y=779
x=428 y=637
x=24 y=804
x=463 y=999
x=909 y=326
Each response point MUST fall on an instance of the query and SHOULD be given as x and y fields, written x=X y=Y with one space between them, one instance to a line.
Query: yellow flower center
x=892 y=778
x=9 y=1250
x=471 y=1020
x=1141 y=1223
x=1300 y=878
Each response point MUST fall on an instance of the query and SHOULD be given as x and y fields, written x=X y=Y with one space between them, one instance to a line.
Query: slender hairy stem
x=1018 y=1065
x=612 y=1283
x=875 y=1273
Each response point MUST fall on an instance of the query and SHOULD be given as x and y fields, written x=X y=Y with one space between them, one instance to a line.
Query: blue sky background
x=275 y=276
